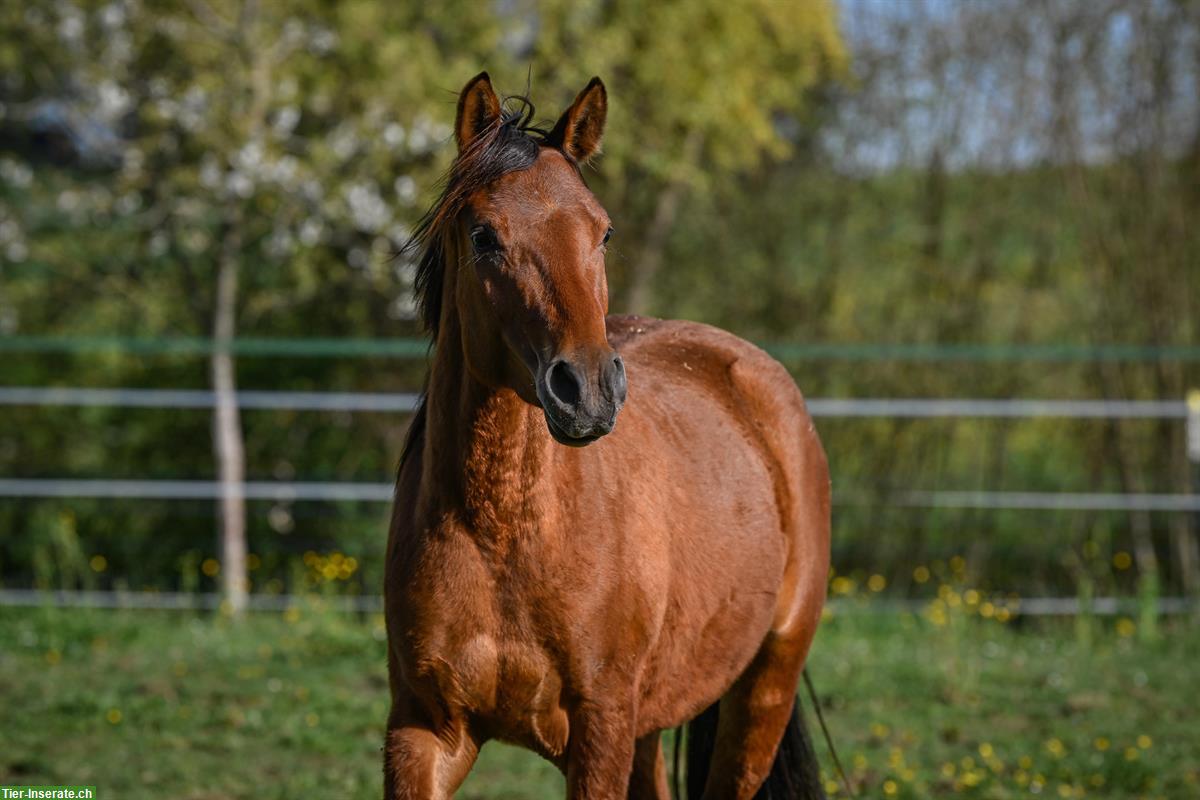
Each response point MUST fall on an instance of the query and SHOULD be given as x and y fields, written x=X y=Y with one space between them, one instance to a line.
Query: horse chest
x=479 y=657
x=511 y=687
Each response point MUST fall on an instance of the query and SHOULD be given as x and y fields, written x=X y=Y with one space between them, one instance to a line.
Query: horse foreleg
x=649 y=778
x=600 y=754
x=420 y=763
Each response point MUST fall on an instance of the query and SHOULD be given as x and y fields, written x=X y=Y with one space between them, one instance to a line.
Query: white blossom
x=311 y=231
x=367 y=209
x=406 y=189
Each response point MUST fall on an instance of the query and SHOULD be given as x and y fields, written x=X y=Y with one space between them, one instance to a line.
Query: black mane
x=509 y=144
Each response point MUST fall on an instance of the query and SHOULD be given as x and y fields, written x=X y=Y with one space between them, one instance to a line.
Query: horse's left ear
x=581 y=127
x=478 y=109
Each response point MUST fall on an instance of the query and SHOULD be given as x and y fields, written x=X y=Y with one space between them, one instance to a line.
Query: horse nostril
x=564 y=385
x=617 y=384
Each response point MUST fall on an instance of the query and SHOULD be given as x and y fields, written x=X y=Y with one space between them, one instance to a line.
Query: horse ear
x=581 y=127
x=478 y=108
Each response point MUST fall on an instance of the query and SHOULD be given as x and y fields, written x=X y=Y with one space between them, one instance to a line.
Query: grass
x=150 y=705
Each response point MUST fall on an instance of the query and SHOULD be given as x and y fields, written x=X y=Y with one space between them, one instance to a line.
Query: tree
x=701 y=90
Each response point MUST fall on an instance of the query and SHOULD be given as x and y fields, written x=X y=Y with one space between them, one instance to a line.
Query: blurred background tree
x=859 y=171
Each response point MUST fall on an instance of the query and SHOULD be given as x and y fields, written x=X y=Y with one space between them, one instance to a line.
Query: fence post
x=1193 y=453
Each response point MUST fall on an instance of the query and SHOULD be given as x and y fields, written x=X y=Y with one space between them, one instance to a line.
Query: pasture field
x=195 y=707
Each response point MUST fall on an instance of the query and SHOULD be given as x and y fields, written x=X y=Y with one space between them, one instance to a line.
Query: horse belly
x=728 y=553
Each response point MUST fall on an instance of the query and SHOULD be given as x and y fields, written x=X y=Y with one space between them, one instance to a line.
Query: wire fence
x=373 y=604
x=346 y=491
x=416 y=347
x=406 y=402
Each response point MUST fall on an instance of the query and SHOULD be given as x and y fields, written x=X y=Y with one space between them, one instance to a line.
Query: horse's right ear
x=478 y=108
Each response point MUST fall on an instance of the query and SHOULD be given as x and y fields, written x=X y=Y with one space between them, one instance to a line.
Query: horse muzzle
x=581 y=397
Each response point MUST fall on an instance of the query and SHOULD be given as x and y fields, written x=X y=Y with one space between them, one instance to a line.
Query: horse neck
x=485 y=448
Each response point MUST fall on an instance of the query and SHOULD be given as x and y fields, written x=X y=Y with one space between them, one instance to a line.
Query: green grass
x=152 y=705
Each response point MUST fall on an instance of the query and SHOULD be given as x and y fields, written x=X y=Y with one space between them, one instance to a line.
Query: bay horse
x=564 y=583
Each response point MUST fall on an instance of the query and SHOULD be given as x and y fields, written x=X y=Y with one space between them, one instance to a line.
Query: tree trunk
x=641 y=282
x=227 y=428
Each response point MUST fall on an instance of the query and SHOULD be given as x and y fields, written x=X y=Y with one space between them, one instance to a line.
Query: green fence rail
x=418 y=348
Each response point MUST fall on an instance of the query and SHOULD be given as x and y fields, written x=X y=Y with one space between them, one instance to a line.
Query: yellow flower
x=890 y=787
x=971 y=597
x=842 y=585
x=986 y=750
x=948 y=769
x=1125 y=627
x=1122 y=560
x=311 y=719
x=921 y=574
x=53 y=656
x=1131 y=754
x=1101 y=743
x=98 y=563
x=1025 y=762
x=877 y=583
x=1144 y=742
x=1055 y=748
x=210 y=567
x=113 y=716
x=958 y=563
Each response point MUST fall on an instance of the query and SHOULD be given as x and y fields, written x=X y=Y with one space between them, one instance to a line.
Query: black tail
x=795 y=774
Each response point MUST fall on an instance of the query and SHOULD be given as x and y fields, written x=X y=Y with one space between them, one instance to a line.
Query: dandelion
x=311 y=719
x=842 y=585
x=986 y=750
x=1131 y=754
x=890 y=787
x=1126 y=627
x=113 y=716
x=1122 y=560
x=1056 y=748
x=958 y=564
x=1101 y=743
x=98 y=563
x=971 y=597
x=1144 y=742
x=210 y=567
x=877 y=583
x=921 y=574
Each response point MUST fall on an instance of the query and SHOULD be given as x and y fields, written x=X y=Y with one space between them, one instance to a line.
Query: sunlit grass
x=946 y=701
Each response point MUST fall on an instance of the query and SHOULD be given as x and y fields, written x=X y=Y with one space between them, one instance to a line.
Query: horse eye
x=607 y=235
x=484 y=240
